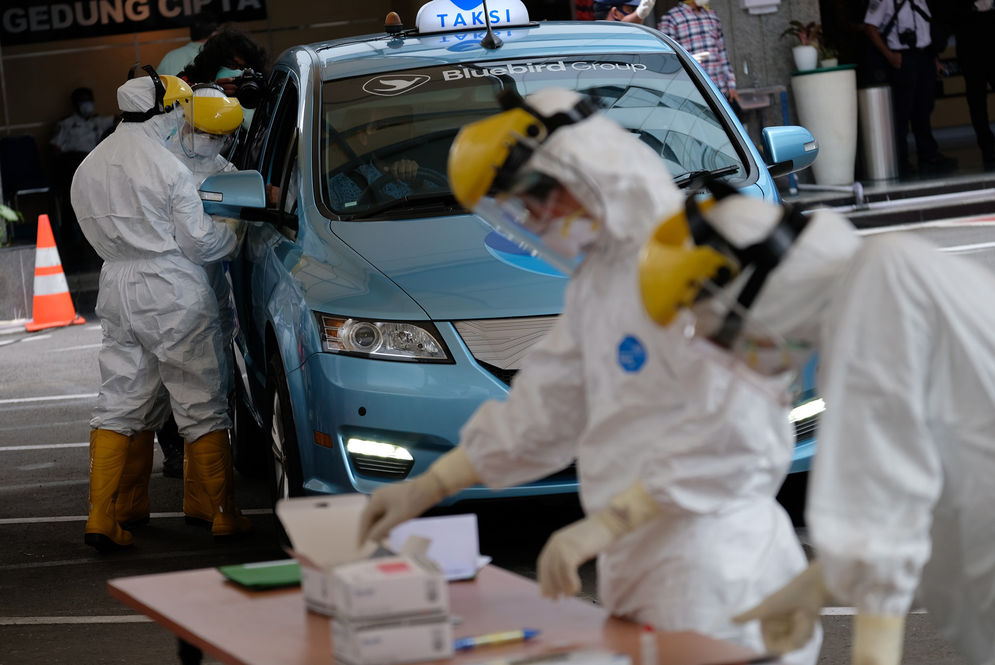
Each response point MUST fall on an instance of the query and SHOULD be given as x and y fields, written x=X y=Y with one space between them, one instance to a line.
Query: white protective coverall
x=139 y=208
x=901 y=491
x=628 y=400
x=217 y=276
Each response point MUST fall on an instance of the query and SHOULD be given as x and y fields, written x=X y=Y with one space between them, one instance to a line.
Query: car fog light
x=377 y=449
x=808 y=409
x=378 y=458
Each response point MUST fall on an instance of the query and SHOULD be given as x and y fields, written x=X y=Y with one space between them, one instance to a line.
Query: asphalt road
x=54 y=607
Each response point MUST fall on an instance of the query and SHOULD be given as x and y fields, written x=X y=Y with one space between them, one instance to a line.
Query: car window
x=252 y=147
x=375 y=127
x=278 y=158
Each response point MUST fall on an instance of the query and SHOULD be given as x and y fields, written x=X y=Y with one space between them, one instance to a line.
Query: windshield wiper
x=687 y=178
x=429 y=201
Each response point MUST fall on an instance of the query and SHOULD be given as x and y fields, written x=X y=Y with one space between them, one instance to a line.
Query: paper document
x=454 y=543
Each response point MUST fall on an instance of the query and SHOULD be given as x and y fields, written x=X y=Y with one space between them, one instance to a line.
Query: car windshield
x=385 y=138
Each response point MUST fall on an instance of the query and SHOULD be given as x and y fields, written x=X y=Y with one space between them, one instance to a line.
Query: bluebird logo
x=514 y=255
x=631 y=354
x=389 y=86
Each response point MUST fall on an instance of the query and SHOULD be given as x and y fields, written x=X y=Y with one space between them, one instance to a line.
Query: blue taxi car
x=374 y=314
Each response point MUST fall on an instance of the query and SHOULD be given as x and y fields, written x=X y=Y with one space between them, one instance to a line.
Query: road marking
x=47 y=398
x=7 y=449
x=77 y=348
x=34 y=338
x=52 y=621
x=82 y=518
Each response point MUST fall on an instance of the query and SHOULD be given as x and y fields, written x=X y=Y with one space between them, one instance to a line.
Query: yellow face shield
x=217 y=115
x=707 y=287
x=485 y=149
x=177 y=91
x=673 y=270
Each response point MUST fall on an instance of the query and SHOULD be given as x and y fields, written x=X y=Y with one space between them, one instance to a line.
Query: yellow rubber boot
x=197 y=508
x=132 y=507
x=209 y=463
x=108 y=456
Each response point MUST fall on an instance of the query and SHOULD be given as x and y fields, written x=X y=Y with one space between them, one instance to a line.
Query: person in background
x=973 y=24
x=371 y=180
x=584 y=10
x=698 y=29
x=678 y=491
x=74 y=137
x=201 y=30
x=899 y=31
x=225 y=57
x=140 y=209
x=900 y=498
x=633 y=11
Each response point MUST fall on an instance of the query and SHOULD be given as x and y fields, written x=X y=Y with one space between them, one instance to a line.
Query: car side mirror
x=788 y=149
x=228 y=193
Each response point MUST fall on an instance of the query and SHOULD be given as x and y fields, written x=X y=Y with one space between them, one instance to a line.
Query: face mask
x=85 y=109
x=703 y=4
x=207 y=147
x=571 y=235
x=225 y=72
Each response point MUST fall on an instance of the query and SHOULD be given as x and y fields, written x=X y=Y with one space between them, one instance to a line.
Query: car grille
x=395 y=469
x=805 y=428
x=500 y=344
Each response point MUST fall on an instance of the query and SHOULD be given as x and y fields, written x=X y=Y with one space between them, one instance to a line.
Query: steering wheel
x=377 y=190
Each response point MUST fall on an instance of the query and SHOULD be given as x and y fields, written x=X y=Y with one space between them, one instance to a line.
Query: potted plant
x=809 y=35
x=828 y=55
x=7 y=216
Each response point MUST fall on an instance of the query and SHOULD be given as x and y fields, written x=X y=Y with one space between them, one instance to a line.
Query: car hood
x=456 y=267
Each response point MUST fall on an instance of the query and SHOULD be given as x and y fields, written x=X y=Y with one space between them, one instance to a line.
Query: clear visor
x=202 y=144
x=718 y=318
x=541 y=213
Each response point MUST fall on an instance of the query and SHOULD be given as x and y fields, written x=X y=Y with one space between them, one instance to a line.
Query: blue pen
x=464 y=643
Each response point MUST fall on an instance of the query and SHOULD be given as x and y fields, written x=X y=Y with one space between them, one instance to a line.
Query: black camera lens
x=907 y=38
x=249 y=94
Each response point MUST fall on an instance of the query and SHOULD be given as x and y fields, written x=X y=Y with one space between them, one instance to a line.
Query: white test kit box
x=385 y=588
x=407 y=640
x=322 y=532
x=338 y=578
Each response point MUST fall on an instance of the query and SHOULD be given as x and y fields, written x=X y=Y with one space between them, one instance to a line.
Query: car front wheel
x=286 y=479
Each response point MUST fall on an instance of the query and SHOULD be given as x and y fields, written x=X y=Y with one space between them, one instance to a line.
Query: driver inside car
x=370 y=178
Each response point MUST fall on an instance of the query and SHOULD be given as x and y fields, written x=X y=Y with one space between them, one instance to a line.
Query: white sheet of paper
x=324 y=528
x=455 y=546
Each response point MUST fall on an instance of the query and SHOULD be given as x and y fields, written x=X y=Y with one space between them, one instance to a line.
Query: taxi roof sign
x=448 y=15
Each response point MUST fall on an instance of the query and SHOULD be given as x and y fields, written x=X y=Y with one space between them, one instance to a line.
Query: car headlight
x=383 y=340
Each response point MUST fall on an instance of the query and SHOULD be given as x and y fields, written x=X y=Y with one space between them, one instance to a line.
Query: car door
x=271 y=149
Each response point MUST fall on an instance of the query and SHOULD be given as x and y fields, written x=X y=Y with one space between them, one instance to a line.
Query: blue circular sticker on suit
x=631 y=354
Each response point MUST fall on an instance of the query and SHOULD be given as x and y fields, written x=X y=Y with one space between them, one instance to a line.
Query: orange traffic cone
x=52 y=306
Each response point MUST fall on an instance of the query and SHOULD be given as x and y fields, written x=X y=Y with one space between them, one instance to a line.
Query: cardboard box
x=388 y=588
x=385 y=643
x=338 y=578
x=322 y=532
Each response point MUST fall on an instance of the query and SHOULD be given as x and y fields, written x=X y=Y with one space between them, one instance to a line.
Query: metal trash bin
x=877 y=133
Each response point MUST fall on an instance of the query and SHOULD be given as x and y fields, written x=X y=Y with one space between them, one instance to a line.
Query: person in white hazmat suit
x=900 y=496
x=679 y=501
x=211 y=120
x=139 y=208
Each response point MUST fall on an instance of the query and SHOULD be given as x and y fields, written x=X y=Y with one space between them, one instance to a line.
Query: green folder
x=264 y=574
